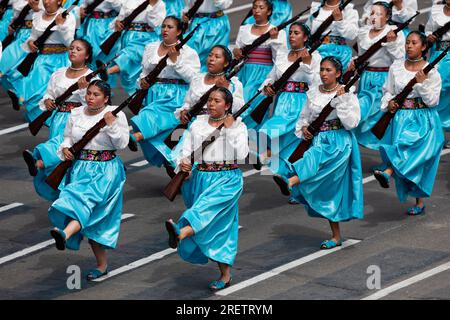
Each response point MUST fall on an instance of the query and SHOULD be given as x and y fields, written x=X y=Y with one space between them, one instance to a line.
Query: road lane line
x=283 y=268
x=13 y=129
x=139 y=163
x=405 y=283
x=41 y=246
x=10 y=206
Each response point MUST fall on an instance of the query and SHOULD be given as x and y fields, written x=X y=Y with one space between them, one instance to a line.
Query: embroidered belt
x=377 y=69
x=171 y=81
x=414 y=103
x=334 y=124
x=96 y=155
x=104 y=15
x=27 y=24
x=213 y=15
x=53 y=48
x=334 y=39
x=68 y=106
x=260 y=56
x=294 y=86
x=214 y=167
x=442 y=45
x=141 y=27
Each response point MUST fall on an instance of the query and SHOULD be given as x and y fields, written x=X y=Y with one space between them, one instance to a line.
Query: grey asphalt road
x=273 y=235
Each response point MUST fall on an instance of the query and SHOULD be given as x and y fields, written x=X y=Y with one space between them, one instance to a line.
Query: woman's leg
x=73 y=227
x=100 y=255
x=225 y=272
x=336 y=232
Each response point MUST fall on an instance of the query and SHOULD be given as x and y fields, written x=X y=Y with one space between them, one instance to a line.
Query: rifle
x=380 y=127
x=249 y=14
x=324 y=26
x=198 y=106
x=17 y=23
x=109 y=43
x=91 y=7
x=55 y=178
x=246 y=50
x=260 y=110
x=37 y=123
x=25 y=67
x=136 y=104
x=3 y=5
x=192 y=11
x=174 y=186
x=376 y=46
x=314 y=127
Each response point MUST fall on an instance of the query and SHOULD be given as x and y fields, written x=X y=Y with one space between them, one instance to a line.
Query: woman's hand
x=10 y=30
x=67 y=154
x=186 y=165
x=82 y=13
x=398 y=4
x=237 y=53
x=34 y=4
x=392 y=106
x=351 y=66
x=340 y=91
x=173 y=54
x=32 y=46
x=421 y=76
x=306 y=134
x=306 y=56
x=118 y=25
x=144 y=84
x=222 y=82
x=83 y=83
x=109 y=118
x=391 y=36
x=183 y=117
x=268 y=91
x=59 y=20
x=274 y=33
x=49 y=104
x=228 y=122
x=432 y=38
x=337 y=14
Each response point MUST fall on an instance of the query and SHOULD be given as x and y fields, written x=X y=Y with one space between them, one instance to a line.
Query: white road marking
x=283 y=268
x=41 y=246
x=13 y=129
x=403 y=284
x=139 y=164
x=10 y=206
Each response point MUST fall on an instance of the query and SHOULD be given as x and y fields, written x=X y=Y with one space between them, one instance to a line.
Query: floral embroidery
x=171 y=81
x=293 y=86
x=96 y=155
x=415 y=103
x=28 y=24
x=141 y=27
x=213 y=167
x=68 y=106
x=104 y=15
x=334 y=39
x=442 y=45
x=53 y=48
x=334 y=124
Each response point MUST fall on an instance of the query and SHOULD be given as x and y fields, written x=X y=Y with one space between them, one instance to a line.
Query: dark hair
x=315 y=14
x=306 y=30
x=227 y=96
x=104 y=87
x=336 y=63
x=180 y=25
x=423 y=39
x=269 y=4
x=226 y=53
x=88 y=48
x=387 y=7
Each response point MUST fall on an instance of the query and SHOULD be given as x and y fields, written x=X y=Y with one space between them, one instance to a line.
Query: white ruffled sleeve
x=271 y=77
x=147 y=65
x=430 y=89
x=49 y=93
x=396 y=49
x=347 y=109
x=388 y=91
x=280 y=43
x=223 y=4
x=187 y=64
x=303 y=121
x=187 y=147
x=155 y=14
x=239 y=42
x=408 y=10
x=120 y=16
x=67 y=142
x=237 y=137
x=118 y=132
x=348 y=26
x=67 y=29
x=238 y=94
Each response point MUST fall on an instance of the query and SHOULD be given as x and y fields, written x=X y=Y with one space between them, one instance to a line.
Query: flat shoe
x=174 y=232
x=217 y=285
x=14 y=100
x=282 y=184
x=95 y=274
x=329 y=244
x=132 y=144
x=293 y=201
x=60 y=238
x=30 y=161
x=415 y=210
x=382 y=177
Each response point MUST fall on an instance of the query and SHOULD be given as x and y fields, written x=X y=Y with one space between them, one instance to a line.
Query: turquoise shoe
x=217 y=285
x=447 y=145
x=174 y=232
x=329 y=244
x=415 y=210
x=293 y=201
x=95 y=274
x=382 y=177
x=283 y=184
x=60 y=238
x=132 y=143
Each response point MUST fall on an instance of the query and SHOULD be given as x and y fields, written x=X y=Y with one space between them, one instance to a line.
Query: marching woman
x=53 y=56
x=260 y=60
x=174 y=7
x=134 y=40
x=328 y=178
x=208 y=229
x=375 y=75
x=402 y=10
x=412 y=157
x=8 y=13
x=344 y=28
x=168 y=93
x=90 y=202
x=24 y=31
x=282 y=11
x=44 y=157
x=214 y=27
x=439 y=16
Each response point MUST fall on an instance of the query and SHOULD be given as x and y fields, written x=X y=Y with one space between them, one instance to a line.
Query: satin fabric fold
x=443 y=68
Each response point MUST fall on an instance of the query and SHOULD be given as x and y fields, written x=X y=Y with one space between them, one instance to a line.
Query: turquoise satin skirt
x=212 y=201
x=331 y=177
x=415 y=151
x=156 y=120
x=11 y=79
x=252 y=76
x=212 y=32
x=132 y=45
x=342 y=52
x=369 y=96
x=443 y=107
x=4 y=23
x=174 y=7
x=91 y=194
x=282 y=11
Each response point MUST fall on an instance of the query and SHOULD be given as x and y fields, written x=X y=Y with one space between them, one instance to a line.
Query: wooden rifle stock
x=442 y=30
x=174 y=186
x=379 y=129
x=109 y=43
x=25 y=66
x=136 y=104
x=259 y=112
x=314 y=127
x=17 y=23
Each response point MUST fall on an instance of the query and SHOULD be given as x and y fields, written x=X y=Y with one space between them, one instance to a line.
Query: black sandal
x=30 y=161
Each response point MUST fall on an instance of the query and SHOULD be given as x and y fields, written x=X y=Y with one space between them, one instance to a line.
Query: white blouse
x=346 y=28
x=388 y=53
x=231 y=145
x=398 y=78
x=185 y=68
x=246 y=37
x=152 y=15
x=59 y=83
x=198 y=87
x=105 y=6
x=63 y=34
x=209 y=6
x=113 y=137
x=18 y=5
x=409 y=9
x=436 y=20
x=308 y=73
x=346 y=108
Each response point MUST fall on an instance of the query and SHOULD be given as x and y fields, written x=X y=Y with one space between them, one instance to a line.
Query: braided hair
x=104 y=87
